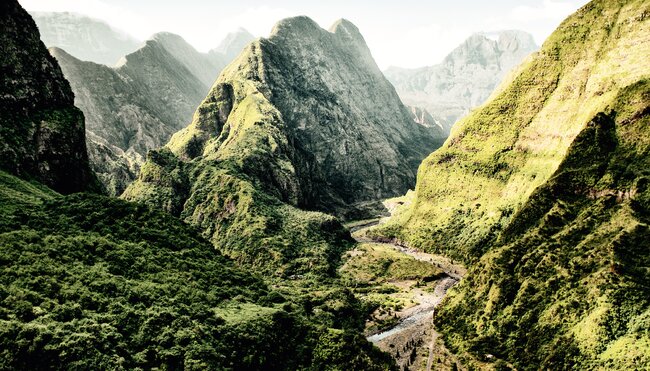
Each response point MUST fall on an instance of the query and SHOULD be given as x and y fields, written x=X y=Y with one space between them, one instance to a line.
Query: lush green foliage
x=240 y=188
x=93 y=282
x=544 y=190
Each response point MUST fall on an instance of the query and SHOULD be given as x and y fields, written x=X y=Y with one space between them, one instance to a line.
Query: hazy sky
x=405 y=33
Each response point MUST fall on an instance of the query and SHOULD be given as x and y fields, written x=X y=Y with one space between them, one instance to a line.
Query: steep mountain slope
x=41 y=131
x=568 y=285
x=135 y=107
x=465 y=78
x=301 y=119
x=544 y=190
x=497 y=156
x=85 y=38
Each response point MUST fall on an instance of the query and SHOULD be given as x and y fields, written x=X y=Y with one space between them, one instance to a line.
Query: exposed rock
x=41 y=131
x=424 y=118
x=85 y=38
x=465 y=78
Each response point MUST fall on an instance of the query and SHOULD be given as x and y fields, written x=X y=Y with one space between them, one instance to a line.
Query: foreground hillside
x=544 y=191
x=472 y=187
x=91 y=282
x=289 y=125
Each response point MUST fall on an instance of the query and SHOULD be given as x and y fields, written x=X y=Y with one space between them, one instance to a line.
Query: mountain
x=41 y=131
x=465 y=78
x=93 y=282
x=137 y=106
x=233 y=44
x=85 y=38
x=544 y=191
x=301 y=120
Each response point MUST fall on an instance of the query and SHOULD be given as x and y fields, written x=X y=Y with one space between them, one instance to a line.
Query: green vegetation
x=471 y=188
x=386 y=281
x=94 y=282
x=378 y=263
x=240 y=187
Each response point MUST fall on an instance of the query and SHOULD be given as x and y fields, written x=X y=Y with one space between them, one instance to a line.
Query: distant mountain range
x=465 y=78
x=86 y=38
x=136 y=106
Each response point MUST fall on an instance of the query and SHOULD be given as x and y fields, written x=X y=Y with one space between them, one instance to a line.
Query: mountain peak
x=299 y=27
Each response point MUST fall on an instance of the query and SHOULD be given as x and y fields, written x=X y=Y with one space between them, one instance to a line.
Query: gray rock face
x=354 y=140
x=41 y=131
x=339 y=137
x=85 y=38
x=466 y=77
x=137 y=105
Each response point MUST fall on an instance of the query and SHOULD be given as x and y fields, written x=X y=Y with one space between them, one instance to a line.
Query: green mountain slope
x=41 y=131
x=496 y=157
x=568 y=284
x=288 y=125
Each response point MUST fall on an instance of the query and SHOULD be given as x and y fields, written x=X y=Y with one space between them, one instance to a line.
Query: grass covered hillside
x=471 y=188
x=93 y=283
x=567 y=286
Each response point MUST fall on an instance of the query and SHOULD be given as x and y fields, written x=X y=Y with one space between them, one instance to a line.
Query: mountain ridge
x=137 y=105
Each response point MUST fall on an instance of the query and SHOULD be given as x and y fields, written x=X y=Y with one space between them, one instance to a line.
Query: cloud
x=548 y=10
x=257 y=20
x=117 y=17
x=417 y=46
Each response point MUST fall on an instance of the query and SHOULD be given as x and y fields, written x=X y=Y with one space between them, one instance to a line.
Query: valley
x=406 y=286
x=280 y=203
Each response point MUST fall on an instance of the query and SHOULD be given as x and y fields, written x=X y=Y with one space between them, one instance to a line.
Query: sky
x=403 y=33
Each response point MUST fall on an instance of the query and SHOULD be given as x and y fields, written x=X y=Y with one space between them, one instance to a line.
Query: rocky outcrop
x=465 y=78
x=137 y=106
x=41 y=131
x=544 y=190
x=85 y=38
x=301 y=120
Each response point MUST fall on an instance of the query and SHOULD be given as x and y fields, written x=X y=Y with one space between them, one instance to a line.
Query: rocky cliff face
x=41 y=131
x=544 y=191
x=136 y=106
x=303 y=119
x=465 y=78
x=85 y=38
